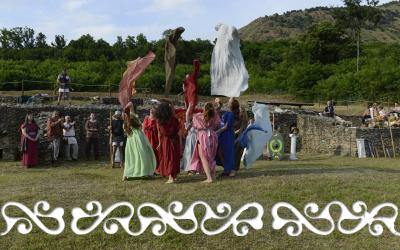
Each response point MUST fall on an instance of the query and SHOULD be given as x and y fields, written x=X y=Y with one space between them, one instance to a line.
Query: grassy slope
x=295 y=23
x=318 y=179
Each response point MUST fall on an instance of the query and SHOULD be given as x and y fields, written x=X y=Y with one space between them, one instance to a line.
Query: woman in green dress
x=140 y=160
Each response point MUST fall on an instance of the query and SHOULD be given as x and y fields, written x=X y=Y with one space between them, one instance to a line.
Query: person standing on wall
x=70 y=139
x=54 y=134
x=92 y=136
x=63 y=81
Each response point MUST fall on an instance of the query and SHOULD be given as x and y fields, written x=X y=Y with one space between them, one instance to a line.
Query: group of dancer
x=156 y=146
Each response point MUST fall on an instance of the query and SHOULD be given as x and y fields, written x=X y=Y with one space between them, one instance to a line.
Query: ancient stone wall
x=11 y=116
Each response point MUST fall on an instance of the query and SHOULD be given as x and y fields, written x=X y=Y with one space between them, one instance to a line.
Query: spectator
x=54 y=134
x=329 y=110
x=92 y=137
x=70 y=139
x=117 y=133
x=63 y=81
x=29 y=142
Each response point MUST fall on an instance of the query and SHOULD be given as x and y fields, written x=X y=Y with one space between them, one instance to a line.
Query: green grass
x=319 y=179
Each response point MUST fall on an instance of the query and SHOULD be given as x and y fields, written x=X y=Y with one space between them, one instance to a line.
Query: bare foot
x=124 y=178
x=207 y=181
x=170 y=181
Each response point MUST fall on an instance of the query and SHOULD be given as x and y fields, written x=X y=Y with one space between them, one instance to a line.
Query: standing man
x=54 y=134
x=70 y=139
x=117 y=140
x=92 y=137
x=63 y=81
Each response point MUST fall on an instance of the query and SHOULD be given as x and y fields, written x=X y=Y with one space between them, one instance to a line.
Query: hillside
x=294 y=23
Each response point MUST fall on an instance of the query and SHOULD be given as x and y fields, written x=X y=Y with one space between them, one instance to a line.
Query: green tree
x=59 y=42
x=41 y=41
x=355 y=16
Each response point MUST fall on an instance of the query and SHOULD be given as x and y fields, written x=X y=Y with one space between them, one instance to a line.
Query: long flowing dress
x=169 y=152
x=207 y=139
x=30 y=149
x=190 y=144
x=150 y=130
x=226 y=142
x=140 y=160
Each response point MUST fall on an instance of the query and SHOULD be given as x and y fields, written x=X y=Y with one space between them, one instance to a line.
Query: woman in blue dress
x=227 y=137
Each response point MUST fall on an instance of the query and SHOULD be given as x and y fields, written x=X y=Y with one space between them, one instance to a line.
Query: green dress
x=140 y=160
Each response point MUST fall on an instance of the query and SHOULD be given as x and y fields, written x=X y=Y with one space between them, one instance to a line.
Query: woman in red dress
x=169 y=152
x=151 y=131
x=29 y=142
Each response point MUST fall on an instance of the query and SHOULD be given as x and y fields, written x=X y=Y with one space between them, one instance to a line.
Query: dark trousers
x=92 y=142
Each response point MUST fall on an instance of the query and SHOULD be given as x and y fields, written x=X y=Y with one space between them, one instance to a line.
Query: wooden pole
x=383 y=146
x=22 y=88
x=110 y=130
x=391 y=138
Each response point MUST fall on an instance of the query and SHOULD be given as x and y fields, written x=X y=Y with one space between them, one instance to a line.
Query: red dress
x=190 y=84
x=150 y=130
x=169 y=153
x=30 y=152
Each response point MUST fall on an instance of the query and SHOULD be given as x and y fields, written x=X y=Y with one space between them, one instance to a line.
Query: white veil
x=229 y=75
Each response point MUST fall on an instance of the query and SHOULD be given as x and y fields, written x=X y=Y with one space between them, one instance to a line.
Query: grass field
x=319 y=179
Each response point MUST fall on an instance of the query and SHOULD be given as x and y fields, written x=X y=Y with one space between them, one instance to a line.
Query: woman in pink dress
x=206 y=124
x=29 y=142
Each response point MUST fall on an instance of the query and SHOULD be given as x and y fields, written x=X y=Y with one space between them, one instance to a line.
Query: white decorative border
x=358 y=214
x=175 y=213
x=24 y=224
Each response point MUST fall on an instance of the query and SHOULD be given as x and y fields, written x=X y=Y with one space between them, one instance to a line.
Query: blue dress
x=227 y=141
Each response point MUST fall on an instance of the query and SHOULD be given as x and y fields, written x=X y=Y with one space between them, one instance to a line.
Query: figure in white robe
x=254 y=139
x=229 y=75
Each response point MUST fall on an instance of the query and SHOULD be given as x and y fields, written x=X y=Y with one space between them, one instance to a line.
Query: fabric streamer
x=132 y=73
x=190 y=85
x=257 y=135
x=229 y=75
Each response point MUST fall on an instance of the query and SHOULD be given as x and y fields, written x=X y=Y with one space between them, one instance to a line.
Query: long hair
x=208 y=112
x=163 y=112
x=235 y=108
x=131 y=122
x=27 y=120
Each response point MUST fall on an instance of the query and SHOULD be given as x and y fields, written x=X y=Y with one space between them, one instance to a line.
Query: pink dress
x=208 y=140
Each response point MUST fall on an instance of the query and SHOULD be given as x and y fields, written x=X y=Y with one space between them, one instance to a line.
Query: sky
x=109 y=19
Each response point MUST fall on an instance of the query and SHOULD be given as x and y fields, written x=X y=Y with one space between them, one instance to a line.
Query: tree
x=130 y=42
x=41 y=41
x=28 y=37
x=59 y=42
x=355 y=16
x=5 y=38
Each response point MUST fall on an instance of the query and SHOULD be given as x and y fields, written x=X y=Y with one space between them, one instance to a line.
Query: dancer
x=140 y=160
x=29 y=142
x=151 y=131
x=169 y=145
x=117 y=140
x=54 y=133
x=239 y=125
x=255 y=137
x=206 y=124
x=92 y=137
x=70 y=139
x=190 y=142
x=227 y=137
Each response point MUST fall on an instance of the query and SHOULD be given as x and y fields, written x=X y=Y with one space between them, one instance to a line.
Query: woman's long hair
x=163 y=112
x=208 y=112
x=26 y=122
x=131 y=122
x=235 y=108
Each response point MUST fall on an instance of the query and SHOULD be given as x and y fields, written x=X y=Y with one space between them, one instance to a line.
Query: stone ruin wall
x=11 y=116
x=317 y=134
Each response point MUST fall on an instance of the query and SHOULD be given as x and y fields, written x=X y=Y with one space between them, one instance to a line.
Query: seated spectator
x=329 y=110
x=367 y=115
x=396 y=108
x=381 y=113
